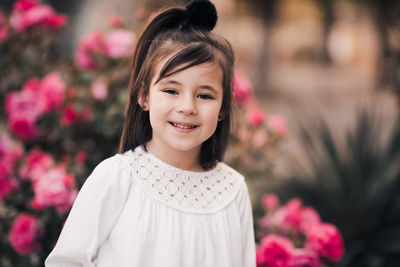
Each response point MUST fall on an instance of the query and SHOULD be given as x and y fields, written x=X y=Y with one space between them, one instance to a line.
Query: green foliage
x=354 y=183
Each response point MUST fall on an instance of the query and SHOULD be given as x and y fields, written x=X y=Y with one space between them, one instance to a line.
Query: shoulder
x=114 y=168
x=228 y=170
x=240 y=181
x=118 y=160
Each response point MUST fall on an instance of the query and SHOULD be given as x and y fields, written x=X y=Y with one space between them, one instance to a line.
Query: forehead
x=209 y=68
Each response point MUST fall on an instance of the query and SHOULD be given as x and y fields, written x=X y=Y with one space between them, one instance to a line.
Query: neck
x=185 y=160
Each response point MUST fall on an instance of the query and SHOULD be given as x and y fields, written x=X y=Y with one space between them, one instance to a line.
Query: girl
x=167 y=199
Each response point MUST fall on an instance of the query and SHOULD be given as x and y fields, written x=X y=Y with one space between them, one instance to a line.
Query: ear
x=221 y=116
x=143 y=101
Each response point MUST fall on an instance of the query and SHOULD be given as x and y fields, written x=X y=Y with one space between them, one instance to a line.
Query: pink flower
x=24 y=233
x=309 y=219
x=287 y=217
x=54 y=189
x=243 y=134
x=242 y=89
x=256 y=117
x=276 y=250
x=36 y=164
x=304 y=258
x=278 y=124
x=325 y=240
x=81 y=157
x=90 y=45
x=57 y=21
x=270 y=201
x=10 y=152
x=23 y=108
x=70 y=115
x=119 y=43
x=115 y=21
x=32 y=85
x=25 y=102
x=23 y=126
x=99 y=90
x=260 y=138
x=7 y=184
x=52 y=90
x=36 y=15
x=3 y=27
x=23 y=5
x=259 y=256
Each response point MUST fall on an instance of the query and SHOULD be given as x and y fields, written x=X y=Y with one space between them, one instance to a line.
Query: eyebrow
x=207 y=87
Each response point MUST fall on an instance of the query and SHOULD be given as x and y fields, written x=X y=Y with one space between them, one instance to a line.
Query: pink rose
x=260 y=138
x=309 y=219
x=52 y=90
x=10 y=152
x=325 y=240
x=242 y=89
x=38 y=15
x=243 y=134
x=278 y=124
x=23 y=108
x=25 y=102
x=88 y=47
x=32 y=85
x=115 y=21
x=57 y=21
x=7 y=184
x=36 y=164
x=256 y=117
x=270 y=201
x=23 y=126
x=24 y=233
x=81 y=157
x=54 y=189
x=119 y=43
x=3 y=27
x=99 y=90
x=69 y=115
x=24 y=5
x=276 y=250
x=259 y=256
x=304 y=258
x=287 y=217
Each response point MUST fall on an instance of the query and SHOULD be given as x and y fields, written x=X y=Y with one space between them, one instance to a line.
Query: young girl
x=167 y=199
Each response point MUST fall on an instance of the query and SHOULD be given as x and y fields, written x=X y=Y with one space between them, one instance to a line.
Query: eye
x=170 y=91
x=205 y=96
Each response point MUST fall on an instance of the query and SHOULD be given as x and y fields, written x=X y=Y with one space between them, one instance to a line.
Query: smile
x=183 y=126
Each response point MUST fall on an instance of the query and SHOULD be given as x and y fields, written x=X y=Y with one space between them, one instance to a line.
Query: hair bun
x=202 y=13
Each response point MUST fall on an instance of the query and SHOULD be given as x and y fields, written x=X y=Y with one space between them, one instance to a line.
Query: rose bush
x=294 y=236
x=62 y=119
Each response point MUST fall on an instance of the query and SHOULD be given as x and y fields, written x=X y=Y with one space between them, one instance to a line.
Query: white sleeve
x=94 y=213
x=246 y=219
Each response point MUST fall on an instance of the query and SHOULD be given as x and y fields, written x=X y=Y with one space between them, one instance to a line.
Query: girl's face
x=184 y=108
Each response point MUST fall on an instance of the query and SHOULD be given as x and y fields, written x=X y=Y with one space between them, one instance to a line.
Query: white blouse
x=138 y=211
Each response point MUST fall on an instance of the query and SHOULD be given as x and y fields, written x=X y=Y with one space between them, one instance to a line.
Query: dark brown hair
x=168 y=34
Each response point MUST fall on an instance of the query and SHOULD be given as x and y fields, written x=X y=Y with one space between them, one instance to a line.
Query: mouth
x=183 y=125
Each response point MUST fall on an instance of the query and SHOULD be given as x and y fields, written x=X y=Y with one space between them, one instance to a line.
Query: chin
x=184 y=147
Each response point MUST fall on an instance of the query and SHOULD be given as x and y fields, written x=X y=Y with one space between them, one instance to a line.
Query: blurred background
x=317 y=125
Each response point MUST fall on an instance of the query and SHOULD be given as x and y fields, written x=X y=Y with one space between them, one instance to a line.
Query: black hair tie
x=201 y=14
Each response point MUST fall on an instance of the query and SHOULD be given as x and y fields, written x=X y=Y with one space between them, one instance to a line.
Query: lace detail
x=199 y=192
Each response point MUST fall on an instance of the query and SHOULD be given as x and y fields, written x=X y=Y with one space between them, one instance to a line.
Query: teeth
x=183 y=126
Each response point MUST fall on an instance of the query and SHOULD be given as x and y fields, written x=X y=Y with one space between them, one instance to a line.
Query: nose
x=187 y=105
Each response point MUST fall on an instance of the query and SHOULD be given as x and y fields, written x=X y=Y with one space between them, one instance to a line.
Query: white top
x=138 y=211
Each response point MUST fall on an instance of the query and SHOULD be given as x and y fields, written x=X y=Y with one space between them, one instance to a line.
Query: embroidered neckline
x=189 y=191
